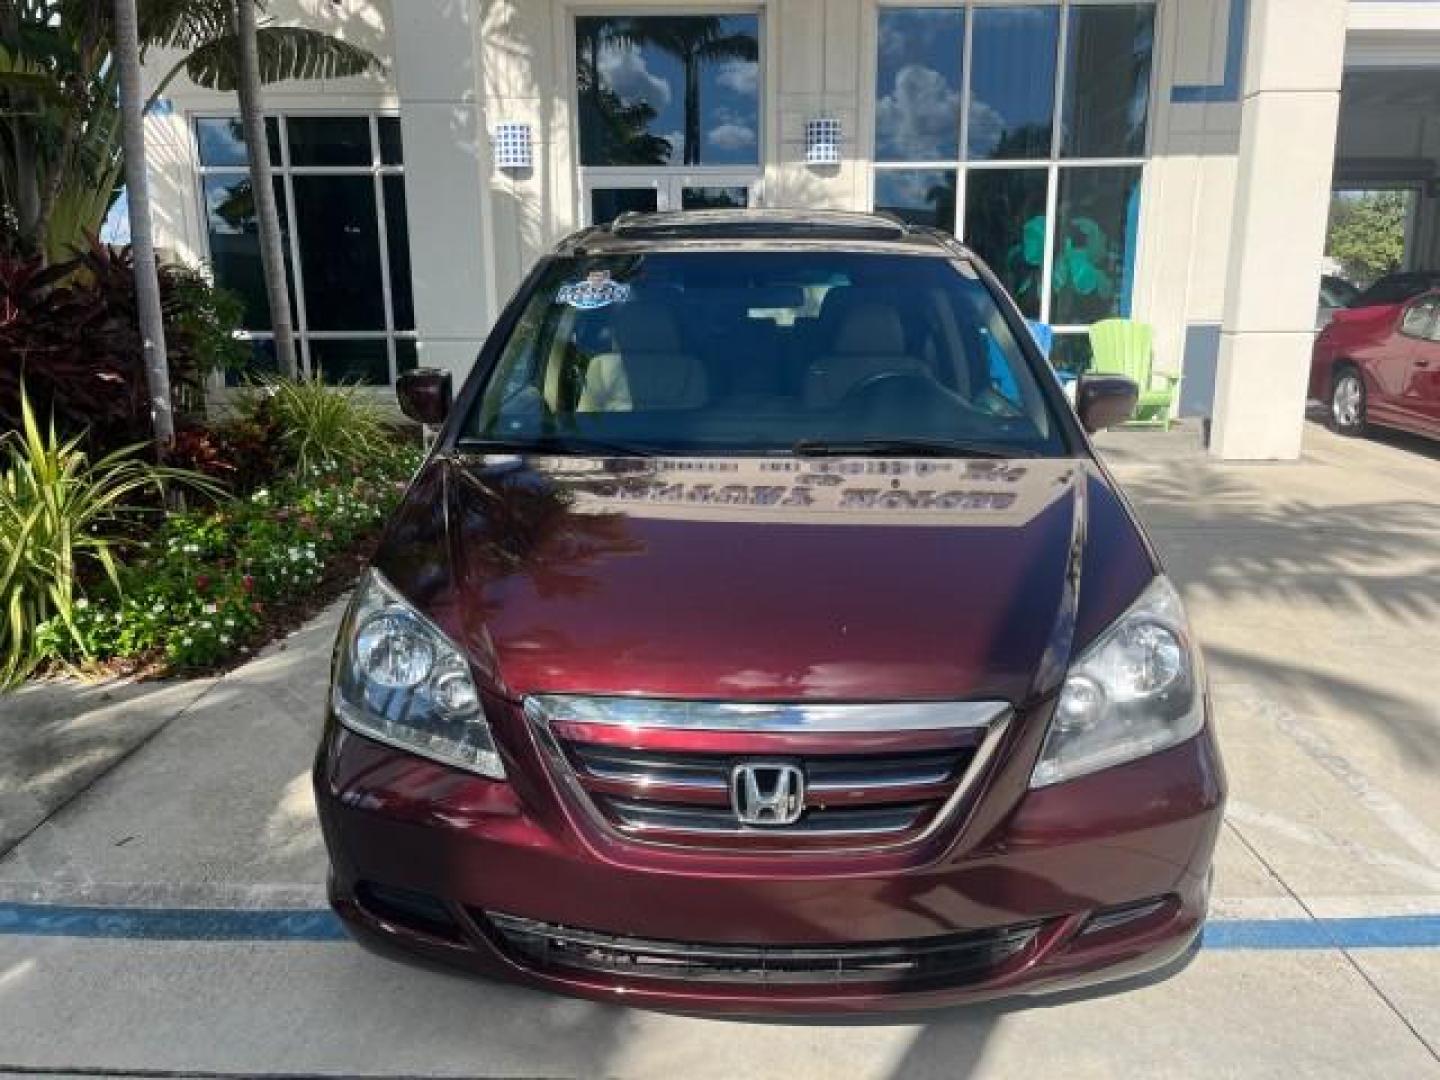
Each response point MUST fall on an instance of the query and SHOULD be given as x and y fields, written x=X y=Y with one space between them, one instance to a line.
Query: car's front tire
x=1348 y=401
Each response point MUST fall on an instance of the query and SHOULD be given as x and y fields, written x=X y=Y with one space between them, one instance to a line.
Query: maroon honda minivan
x=762 y=634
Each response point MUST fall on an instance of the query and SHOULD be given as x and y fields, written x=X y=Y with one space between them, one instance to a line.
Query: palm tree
x=147 y=277
x=61 y=153
x=694 y=40
x=612 y=130
x=267 y=216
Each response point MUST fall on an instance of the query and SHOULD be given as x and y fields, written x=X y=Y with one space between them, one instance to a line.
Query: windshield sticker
x=596 y=291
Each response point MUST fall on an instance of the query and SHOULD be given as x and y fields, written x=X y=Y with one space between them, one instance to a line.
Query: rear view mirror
x=1105 y=401
x=424 y=395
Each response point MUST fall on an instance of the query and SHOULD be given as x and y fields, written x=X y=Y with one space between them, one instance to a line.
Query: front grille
x=685 y=797
x=954 y=959
x=662 y=772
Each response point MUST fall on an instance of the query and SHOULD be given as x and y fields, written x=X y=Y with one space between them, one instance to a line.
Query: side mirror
x=1103 y=401
x=424 y=395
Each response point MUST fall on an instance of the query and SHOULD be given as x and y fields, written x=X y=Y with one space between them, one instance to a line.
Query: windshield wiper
x=956 y=448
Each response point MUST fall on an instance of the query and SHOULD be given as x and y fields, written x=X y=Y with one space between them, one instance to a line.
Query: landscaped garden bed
x=212 y=584
x=121 y=557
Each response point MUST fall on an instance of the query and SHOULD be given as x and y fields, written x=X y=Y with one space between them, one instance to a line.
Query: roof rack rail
x=729 y=225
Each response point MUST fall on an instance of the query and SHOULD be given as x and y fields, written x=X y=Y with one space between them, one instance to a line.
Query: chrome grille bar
x=761 y=718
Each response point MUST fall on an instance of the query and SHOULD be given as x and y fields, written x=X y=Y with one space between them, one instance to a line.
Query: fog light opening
x=418 y=912
x=1123 y=914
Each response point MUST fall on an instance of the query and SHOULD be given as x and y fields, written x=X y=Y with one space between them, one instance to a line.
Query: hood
x=767 y=579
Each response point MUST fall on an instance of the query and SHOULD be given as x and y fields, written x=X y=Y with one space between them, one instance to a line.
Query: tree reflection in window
x=660 y=90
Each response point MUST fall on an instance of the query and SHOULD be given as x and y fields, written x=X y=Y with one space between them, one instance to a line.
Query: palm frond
x=286 y=52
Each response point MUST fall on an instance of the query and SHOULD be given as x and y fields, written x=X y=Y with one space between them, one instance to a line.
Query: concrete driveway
x=160 y=915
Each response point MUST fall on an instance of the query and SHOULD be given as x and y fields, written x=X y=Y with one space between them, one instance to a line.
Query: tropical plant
x=319 y=426
x=60 y=145
x=70 y=332
x=61 y=515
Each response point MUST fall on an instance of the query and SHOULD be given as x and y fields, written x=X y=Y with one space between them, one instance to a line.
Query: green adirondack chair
x=1124 y=347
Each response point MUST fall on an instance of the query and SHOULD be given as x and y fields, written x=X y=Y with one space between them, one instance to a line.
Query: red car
x=1379 y=363
x=762 y=634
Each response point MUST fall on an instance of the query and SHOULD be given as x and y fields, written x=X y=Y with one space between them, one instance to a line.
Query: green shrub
x=61 y=516
x=201 y=588
x=319 y=426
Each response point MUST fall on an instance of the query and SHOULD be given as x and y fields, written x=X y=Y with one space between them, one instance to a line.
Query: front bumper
x=1100 y=878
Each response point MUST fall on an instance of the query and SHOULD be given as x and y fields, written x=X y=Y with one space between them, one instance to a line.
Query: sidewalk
x=1315 y=588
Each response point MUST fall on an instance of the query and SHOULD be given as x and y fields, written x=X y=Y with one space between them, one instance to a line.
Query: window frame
x=1051 y=165
x=285 y=172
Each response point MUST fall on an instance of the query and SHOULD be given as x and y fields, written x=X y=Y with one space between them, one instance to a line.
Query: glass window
x=341 y=248
x=339 y=361
x=221 y=142
x=1071 y=352
x=920 y=196
x=235 y=243
x=339 y=252
x=714 y=198
x=606 y=204
x=329 y=140
x=1005 y=226
x=917 y=114
x=397 y=229
x=392 y=151
x=1107 y=80
x=900 y=347
x=263 y=361
x=1009 y=75
x=1095 y=233
x=407 y=355
x=668 y=89
x=1012 y=82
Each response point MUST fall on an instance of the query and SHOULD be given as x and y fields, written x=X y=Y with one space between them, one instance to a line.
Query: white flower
x=224 y=639
x=81 y=604
x=211 y=609
x=185 y=640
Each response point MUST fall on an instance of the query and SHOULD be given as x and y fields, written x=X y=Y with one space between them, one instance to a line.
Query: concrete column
x=1294 y=63
x=447 y=154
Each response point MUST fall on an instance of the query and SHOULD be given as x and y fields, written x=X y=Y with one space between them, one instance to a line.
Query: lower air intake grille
x=950 y=960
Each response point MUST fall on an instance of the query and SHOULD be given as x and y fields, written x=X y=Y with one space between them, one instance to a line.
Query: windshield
x=761 y=353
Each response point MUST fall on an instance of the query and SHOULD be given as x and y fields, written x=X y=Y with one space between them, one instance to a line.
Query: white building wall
x=456 y=68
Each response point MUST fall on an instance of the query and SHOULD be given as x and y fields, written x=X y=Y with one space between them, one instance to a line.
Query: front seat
x=869 y=341
x=649 y=368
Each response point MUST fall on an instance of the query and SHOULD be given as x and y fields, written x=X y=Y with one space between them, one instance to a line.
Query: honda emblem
x=767 y=793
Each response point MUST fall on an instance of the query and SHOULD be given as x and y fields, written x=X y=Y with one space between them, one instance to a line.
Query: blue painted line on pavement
x=319 y=925
x=170 y=924
x=1375 y=932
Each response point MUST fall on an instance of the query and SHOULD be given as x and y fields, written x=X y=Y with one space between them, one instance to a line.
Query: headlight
x=1137 y=689
x=401 y=681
